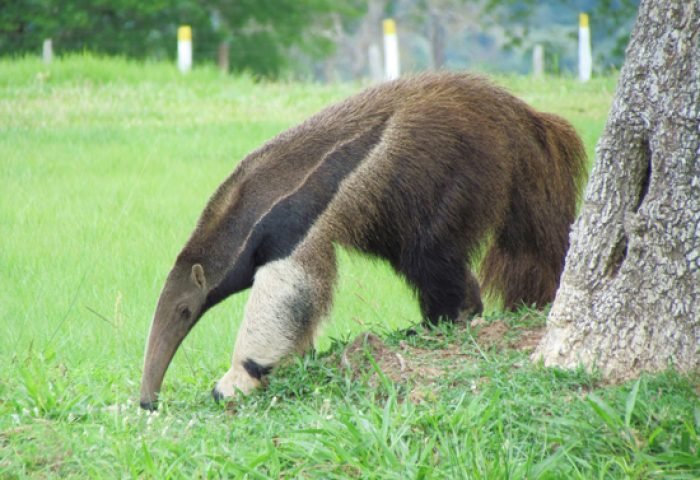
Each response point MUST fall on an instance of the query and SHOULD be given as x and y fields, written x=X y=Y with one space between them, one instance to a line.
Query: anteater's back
x=417 y=171
x=448 y=159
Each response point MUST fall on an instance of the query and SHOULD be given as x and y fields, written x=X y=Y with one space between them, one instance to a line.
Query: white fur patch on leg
x=279 y=318
x=235 y=380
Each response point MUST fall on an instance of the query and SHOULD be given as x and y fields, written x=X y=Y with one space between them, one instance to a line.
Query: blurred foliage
x=611 y=25
x=269 y=38
x=615 y=18
x=263 y=31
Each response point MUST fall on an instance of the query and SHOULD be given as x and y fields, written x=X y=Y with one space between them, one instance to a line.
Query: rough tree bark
x=629 y=298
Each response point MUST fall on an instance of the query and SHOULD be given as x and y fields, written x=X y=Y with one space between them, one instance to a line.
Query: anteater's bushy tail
x=526 y=259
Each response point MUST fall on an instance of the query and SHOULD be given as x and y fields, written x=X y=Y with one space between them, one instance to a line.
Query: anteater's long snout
x=162 y=345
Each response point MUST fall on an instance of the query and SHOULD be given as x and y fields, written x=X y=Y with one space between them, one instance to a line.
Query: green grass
x=105 y=166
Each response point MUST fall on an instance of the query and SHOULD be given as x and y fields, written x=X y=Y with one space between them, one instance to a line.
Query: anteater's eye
x=184 y=311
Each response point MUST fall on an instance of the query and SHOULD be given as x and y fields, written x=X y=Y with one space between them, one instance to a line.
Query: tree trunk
x=629 y=298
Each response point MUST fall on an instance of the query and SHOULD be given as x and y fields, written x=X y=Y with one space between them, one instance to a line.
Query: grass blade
x=631 y=402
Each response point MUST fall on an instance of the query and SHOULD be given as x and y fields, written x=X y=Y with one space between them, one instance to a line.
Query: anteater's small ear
x=198 y=276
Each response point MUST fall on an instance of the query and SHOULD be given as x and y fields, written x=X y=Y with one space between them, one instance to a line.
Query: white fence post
x=391 y=50
x=47 y=51
x=184 y=48
x=585 y=57
x=538 y=60
x=375 y=63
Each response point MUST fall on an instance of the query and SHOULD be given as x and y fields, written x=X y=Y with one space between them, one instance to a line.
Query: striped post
x=184 y=48
x=391 y=50
x=585 y=57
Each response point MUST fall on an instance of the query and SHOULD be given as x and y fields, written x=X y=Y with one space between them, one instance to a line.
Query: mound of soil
x=369 y=359
x=498 y=334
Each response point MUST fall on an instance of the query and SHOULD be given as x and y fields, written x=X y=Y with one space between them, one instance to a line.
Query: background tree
x=261 y=32
x=272 y=37
x=629 y=299
x=554 y=24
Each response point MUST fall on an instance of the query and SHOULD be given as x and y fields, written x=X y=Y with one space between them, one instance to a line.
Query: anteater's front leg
x=286 y=305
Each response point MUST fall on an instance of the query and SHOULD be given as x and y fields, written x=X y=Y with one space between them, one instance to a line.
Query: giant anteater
x=418 y=171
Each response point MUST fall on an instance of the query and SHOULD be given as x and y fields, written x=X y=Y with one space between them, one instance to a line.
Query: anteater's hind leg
x=286 y=305
x=446 y=288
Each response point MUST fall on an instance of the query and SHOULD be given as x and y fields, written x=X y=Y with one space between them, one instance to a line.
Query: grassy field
x=105 y=166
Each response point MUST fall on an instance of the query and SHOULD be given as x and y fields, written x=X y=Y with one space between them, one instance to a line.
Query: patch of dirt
x=498 y=334
x=528 y=339
x=368 y=358
x=491 y=334
x=368 y=348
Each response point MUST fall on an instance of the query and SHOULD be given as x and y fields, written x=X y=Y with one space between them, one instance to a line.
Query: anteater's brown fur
x=461 y=158
x=526 y=258
x=418 y=171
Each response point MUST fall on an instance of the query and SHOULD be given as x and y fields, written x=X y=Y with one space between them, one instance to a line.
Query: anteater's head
x=195 y=284
x=181 y=304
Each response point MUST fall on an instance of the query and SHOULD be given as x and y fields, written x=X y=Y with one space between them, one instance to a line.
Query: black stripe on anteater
x=286 y=224
x=256 y=370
